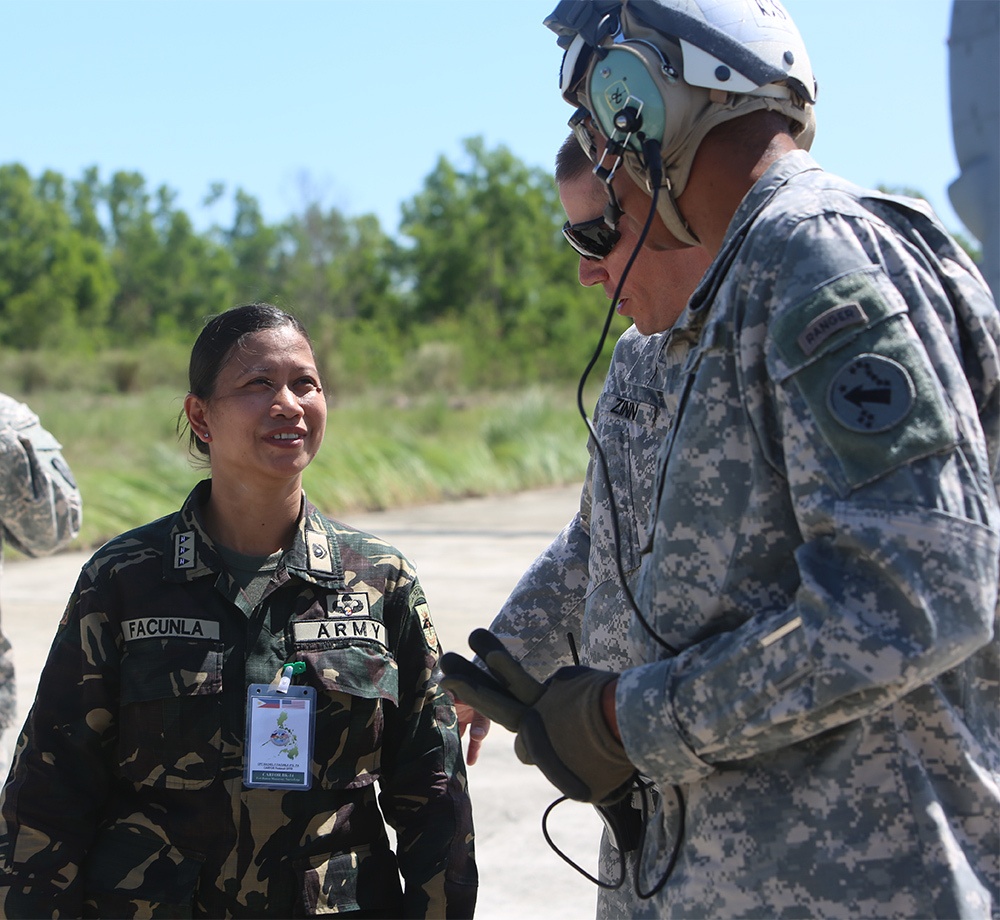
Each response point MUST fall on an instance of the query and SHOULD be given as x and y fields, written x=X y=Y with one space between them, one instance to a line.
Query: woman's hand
x=480 y=728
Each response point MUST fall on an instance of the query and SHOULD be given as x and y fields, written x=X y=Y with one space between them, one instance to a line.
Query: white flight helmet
x=655 y=76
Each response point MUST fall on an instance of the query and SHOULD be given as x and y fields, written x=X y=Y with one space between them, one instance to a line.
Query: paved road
x=469 y=555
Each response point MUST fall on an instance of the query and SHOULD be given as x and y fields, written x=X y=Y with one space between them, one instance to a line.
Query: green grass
x=380 y=451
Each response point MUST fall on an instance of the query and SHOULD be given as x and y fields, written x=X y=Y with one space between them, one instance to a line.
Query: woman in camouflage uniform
x=136 y=790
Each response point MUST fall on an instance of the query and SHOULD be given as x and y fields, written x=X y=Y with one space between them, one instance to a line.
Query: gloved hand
x=559 y=724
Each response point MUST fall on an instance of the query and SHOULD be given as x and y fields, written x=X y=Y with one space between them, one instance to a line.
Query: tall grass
x=381 y=450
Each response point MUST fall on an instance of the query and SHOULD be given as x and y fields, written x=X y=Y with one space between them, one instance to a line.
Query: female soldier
x=229 y=682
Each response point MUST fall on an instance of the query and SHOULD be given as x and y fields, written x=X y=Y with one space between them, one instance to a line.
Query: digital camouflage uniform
x=39 y=513
x=825 y=559
x=573 y=586
x=126 y=796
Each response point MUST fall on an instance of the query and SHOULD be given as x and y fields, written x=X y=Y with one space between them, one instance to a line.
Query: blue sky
x=351 y=103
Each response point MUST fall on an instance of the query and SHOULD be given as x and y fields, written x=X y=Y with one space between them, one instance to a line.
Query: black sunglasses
x=592 y=239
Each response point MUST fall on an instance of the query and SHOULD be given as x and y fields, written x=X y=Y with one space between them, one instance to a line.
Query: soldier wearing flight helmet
x=815 y=612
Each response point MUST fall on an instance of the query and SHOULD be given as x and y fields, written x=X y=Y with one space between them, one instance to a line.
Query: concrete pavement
x=469 y=555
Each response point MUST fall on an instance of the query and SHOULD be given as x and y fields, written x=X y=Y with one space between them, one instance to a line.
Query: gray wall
x=974 y=79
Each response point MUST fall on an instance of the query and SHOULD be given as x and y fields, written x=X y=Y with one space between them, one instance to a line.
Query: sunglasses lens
x=592 y=239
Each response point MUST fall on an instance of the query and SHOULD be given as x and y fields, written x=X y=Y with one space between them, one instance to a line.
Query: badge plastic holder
x=277 y=753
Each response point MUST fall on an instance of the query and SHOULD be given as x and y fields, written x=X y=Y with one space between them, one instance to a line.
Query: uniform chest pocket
x=170 y=718
x=353 y=684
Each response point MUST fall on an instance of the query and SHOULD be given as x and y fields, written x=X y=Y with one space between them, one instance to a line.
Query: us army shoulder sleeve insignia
x=870 y=393
x=829 y=323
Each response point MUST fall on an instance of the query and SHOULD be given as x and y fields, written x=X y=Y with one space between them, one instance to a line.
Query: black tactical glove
x=560 y=725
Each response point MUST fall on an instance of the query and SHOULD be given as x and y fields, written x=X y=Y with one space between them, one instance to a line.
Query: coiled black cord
x=651 y=153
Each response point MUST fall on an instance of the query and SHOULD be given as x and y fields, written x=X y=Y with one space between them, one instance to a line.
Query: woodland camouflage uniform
x=126 y=795
x=39 y=511
x=824 y=561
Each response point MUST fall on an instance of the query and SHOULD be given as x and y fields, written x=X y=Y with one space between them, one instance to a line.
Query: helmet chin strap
x=648 y=176
x=671 y=215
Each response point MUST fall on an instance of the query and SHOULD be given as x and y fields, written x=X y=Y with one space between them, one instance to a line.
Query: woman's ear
x=194 y=409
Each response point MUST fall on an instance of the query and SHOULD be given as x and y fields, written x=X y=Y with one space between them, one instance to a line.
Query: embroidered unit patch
x=870 y=393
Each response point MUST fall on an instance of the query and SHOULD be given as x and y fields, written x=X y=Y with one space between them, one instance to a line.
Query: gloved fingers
x=504 y=667
x=455 y=665
x=475 y=687
x=533 y=746
x=501 y=708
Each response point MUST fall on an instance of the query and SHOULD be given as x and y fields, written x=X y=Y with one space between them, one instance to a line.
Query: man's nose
x=592 y=272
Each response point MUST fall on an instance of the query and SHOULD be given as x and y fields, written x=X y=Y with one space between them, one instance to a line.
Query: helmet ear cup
x=624 y=98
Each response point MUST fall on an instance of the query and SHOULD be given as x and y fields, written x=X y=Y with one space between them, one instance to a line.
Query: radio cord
x=651 y=152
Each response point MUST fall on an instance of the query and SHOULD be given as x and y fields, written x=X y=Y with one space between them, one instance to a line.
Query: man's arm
x=40 y=506
x=893 y=579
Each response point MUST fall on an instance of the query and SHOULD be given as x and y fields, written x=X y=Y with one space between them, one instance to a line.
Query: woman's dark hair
x=221 y=336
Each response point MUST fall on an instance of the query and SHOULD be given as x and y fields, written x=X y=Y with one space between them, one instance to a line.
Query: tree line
x=478 y=289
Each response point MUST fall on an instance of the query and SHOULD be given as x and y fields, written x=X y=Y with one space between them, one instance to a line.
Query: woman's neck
x=252 y=522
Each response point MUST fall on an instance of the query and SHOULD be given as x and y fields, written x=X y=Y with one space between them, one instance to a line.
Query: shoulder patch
x=427 y=626
x=829 y=323
x=870 y=393
x=868 y=385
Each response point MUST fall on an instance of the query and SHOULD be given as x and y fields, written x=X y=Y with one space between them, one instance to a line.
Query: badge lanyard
x=281 y=722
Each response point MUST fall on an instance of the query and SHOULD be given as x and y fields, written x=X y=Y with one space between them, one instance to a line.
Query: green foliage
x=380 y=450
x=478 y=292
x=491 y=271
x=55 y=283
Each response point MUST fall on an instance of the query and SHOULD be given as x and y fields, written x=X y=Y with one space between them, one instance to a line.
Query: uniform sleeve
x=61 y=772
x=548 y=601
x=39 y=500
x=424 y=791
x=880 y=445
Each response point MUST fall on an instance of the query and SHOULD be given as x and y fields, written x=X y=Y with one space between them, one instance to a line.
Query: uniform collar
x=779 y=173
x=190 y=553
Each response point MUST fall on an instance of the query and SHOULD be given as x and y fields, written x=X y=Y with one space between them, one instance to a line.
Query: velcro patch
x=870 y=387
x=169 y=628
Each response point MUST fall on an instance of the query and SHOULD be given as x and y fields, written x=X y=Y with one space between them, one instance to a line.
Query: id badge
x=279 y=738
